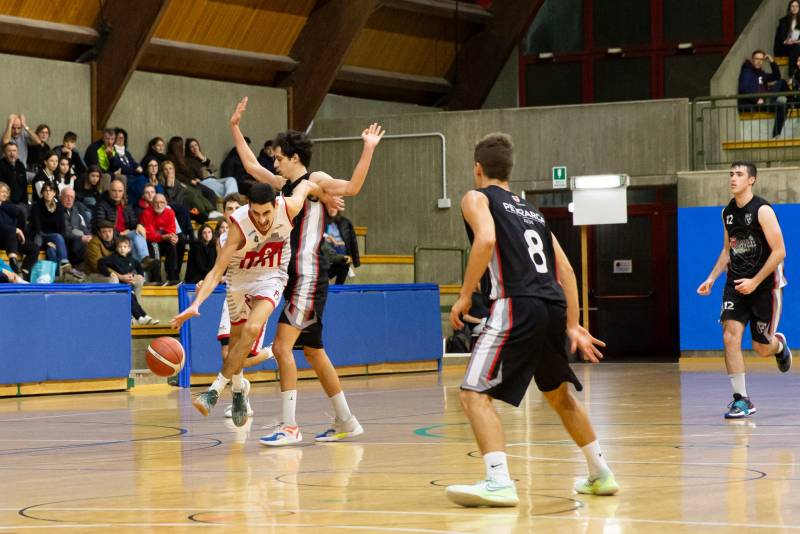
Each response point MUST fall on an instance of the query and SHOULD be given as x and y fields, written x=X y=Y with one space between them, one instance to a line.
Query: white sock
x=289 y=400
x=341 y=407
x=780 y=347
x=220 y=383
x=737 y=381
x=237 y=382
x=594 y=458
x=497 y=467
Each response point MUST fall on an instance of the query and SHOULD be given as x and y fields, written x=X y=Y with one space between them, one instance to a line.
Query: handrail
x=741 y=96
x=462 y=251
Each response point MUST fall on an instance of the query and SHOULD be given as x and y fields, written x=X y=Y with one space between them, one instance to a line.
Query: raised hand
x=372 y=135
x=241 y=107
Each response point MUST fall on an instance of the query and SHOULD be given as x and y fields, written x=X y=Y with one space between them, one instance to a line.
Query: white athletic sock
x=737 y=381
x=780 y=347
x=237 y=381
x=595 y=460
x=341 y=407
x=497 y=467
x=289 y=400
x=220 y=383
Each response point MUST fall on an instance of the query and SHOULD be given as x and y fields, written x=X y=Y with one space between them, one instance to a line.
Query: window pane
x=621 y=22
x=558 y=27
x=689 y=76
x=744 y=10
x=622 y=79
x=692 y=21
x=552 y=84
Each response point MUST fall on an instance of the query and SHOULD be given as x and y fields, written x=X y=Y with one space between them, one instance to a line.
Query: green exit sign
x=559 y=177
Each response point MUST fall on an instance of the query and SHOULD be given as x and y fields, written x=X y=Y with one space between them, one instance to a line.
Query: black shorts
x=761 y=308
x=524 y=338
x=303 y=310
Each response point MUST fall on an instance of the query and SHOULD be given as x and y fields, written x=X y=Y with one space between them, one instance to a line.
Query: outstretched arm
x=249 y=160
x=349 y=188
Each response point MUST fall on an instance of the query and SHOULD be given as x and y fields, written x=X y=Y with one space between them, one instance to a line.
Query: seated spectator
x=68 y=149
x=76 y=231
x=202 y=166
x=102 y=244
x=341 y=236
x=112 y=207
x=101 y=153
x=88 y=192
x=12 y=229
x=48 y=229
x=37 y=153
x=159 y=223
x=123 y=160
x=46 y=174
x=122 y=268
x=145 y=201
x=787 y=35
x=202 y=255
x=187 y=175
x=156 y=151
x=12 y=172
x=753 y=79
x=137 y=184
x=64 y=176
x=267 y=156
x=17 y=130
x=232 y=166
x=177 y=193
x=8 y=276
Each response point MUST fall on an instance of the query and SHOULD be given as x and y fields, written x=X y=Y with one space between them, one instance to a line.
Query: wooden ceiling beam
x=128 y=37
x=442 y=8
x=226 y=56
x=51 y=31
x=394 y=80
x=320 y=51
x=479 y=61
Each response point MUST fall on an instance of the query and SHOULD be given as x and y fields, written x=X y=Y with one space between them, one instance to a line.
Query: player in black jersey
x=752 y=253
x=534 y=311
x=300 y=323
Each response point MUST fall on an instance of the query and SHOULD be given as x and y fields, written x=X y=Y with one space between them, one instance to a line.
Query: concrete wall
x=340 y=107
x=162 y=105
x=505 y=93
x=648 y=140
x=52 y=92
x=758 y=34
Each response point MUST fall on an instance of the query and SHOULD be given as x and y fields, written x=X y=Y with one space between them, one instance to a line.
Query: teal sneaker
x=205 y=401
x=483 y=493
x=784 y=357
x=605 y=484
x=740 y=407
x=239 y=408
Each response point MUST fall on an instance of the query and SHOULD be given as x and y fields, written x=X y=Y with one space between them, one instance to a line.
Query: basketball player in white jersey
x=300 y=323
x=256 y=255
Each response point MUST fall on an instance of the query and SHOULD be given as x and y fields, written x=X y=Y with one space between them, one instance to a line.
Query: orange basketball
x=165 y=356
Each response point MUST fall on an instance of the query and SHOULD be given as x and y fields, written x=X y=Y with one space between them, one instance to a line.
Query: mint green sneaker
x=603 y=485
x=205 y=401
x=483 y=493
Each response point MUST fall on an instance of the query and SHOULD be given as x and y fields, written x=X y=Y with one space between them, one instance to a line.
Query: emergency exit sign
x=559 y=177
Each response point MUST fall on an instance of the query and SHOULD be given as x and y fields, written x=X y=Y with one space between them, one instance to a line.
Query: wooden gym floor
x=145 y=460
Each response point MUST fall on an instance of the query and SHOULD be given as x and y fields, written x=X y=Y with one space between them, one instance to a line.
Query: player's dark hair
x=261 y=194
x=749 y=165
x=293 y=142
x=495 y=153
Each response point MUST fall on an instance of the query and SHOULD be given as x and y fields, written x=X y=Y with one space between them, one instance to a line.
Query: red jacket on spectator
x=156 y=225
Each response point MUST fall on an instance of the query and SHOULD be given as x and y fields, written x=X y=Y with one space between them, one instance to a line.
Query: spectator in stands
x=177 y=193
x=340 y=236
x=753 y=79
x=136 y=184
x=101 y=245
x=187 y=175
x=88 y=192
x=232 y=166
x=202 y=255
x=267 y=156
x=37 y=153
x=48 y=229
x=64 y=175
x=787 y=35
x=123 y=160
x=112 y=207
x=159 y=223
x=156 y=150
x=195 y=158
x=145 y=201
x=123 y=269
x=17 y=130
x=8 y=276
x=12 y=172
x=46 y=174
x=67 y=149
x=12 y=228
x=76 y=231
x=101 y=153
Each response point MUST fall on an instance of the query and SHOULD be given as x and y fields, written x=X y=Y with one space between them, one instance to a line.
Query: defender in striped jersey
x=255 y=256
x=534 y=312
x=752 y=253
x=300 y=323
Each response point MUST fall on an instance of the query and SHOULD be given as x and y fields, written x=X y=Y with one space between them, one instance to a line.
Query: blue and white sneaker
x=282 y=434
x=340 y=430
x=784 y=357
x=740 y=407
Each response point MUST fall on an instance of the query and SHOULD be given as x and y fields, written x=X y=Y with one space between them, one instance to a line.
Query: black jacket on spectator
x=36 y=155
x=232 y=166
x=81 y=193
x=90 y=156
x=75 y=161
x=781 y=34
x=16 y=178
x=348 y=236
x=106 y=209
x=201 y=260
x=42 y=178
x=44 y=221
x=153 y=155
x=119 y=264
x=753 y=80
x=126 y=163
